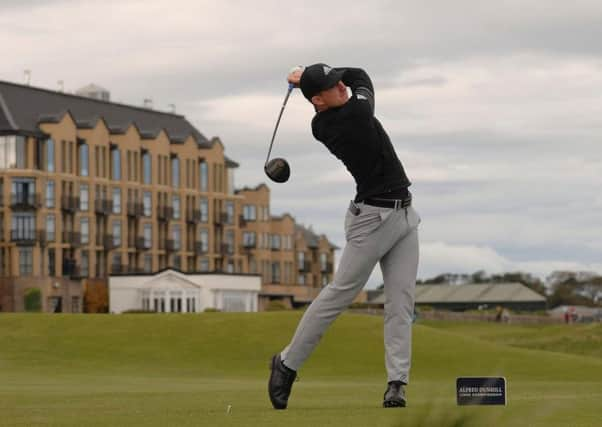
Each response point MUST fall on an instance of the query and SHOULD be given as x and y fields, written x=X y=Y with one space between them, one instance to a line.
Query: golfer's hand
x=294 y=75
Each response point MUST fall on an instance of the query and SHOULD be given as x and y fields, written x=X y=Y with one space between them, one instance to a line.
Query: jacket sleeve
x=361 y=88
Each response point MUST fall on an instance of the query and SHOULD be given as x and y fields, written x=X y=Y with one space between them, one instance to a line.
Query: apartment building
x=91 y=188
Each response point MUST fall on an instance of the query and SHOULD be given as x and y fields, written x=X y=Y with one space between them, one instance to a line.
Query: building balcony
x=27 y=237
x=242 y=222
x=164 y=213
x=326 y=269
x=200 y=248
x=221 y=219
x=72 y=238
x=193 y=216
x=103 y=206
x=135 y=209
x=69 y=203
x=25 y=201
x=117 y=268
x=305 y=267
x=275 y=248
x=249 y=245
x=142 y=244
x=109 y=242
x=225 y=249
x=171 y=245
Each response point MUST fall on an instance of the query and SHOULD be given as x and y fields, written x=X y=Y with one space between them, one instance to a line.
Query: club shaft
x=288 y=93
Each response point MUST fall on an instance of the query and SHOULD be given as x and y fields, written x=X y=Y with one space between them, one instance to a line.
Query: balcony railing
x=242 y=222
x=142 y=244
x=170 y=245
x=224 y=249
x=193 y=216
x=327 y=268
x=221 y=218
x=25 y=200
x=118 y=268
x=73 y=238
x=200 y=248
x=305 y=267
x=103 y=206
x=164 y=213
x=249 y=245
x=25 y=237
x=69 y=203
x=135 y=209
x=109 y=242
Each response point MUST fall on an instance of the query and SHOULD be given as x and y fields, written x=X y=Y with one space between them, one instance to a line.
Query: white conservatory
x=172 y=291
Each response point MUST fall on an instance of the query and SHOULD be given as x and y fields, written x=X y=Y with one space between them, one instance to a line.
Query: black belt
x=389 y=203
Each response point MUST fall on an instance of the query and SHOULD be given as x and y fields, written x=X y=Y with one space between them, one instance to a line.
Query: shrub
x=33 y=300
x=276 y=305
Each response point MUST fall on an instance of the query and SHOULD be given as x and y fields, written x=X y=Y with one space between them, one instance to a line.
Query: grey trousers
x=385 y=235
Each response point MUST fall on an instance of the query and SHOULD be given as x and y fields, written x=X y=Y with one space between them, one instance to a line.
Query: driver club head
x=277 y=170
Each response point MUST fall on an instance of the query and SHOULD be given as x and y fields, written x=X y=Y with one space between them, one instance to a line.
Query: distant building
x=91 y=188
x=515 y=296
x=172 y=291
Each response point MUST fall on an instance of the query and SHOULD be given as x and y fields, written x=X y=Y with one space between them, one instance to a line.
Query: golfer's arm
x=360 y=84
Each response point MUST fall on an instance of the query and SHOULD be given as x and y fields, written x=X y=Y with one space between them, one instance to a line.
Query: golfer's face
x=336 y=95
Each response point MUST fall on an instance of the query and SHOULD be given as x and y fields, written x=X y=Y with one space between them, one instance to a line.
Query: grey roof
x=483 y=293
x=230 y=163
x=23 y=108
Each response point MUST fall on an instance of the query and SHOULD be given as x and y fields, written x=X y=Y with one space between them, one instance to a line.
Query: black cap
x=318 y=77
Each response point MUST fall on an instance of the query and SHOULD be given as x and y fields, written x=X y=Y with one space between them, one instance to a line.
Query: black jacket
x=355 y=136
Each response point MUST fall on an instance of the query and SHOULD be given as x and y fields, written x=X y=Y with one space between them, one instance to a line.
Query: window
x=249 y=213
x=115 y=164
x=116 y=200
x=26 y=261
x=85 y=264
x=50 y=194
x=84 y=228
x=230 y=241
x=203 y=175
x=83 y=197
x=275 y=241
x=204 y=206
x=23 y=226
x=147 y=201
x=230 y=212
x=148 y=235
x=324 y=280
x=177 y=262
x=301 y=279
x=50 y=228
x=323 y=260
x=177 y=236
x=204 y=264
x=300 y=258
x=175 y=202
x=204 y=239
x=83 y=160
x=51 y=262
x=275 y=272
x=249 y=239
x=50 y=155
x=117 y=233
x=148 y=263
x=147 y=167
x=175 y=172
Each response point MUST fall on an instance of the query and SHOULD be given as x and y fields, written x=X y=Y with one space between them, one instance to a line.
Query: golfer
x=380 y=226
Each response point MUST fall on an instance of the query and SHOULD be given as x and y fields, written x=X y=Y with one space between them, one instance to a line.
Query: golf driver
x=278 y=169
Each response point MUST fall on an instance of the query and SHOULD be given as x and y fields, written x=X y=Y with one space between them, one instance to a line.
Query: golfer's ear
x=317 y=100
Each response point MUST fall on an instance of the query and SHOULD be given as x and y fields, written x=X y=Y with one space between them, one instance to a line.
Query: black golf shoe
x=281 y=382
x=395 y=396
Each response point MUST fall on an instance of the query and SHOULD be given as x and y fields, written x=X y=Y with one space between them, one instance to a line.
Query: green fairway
x=186 y=370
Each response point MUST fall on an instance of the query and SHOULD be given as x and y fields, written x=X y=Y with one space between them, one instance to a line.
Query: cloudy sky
x=494 y=108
